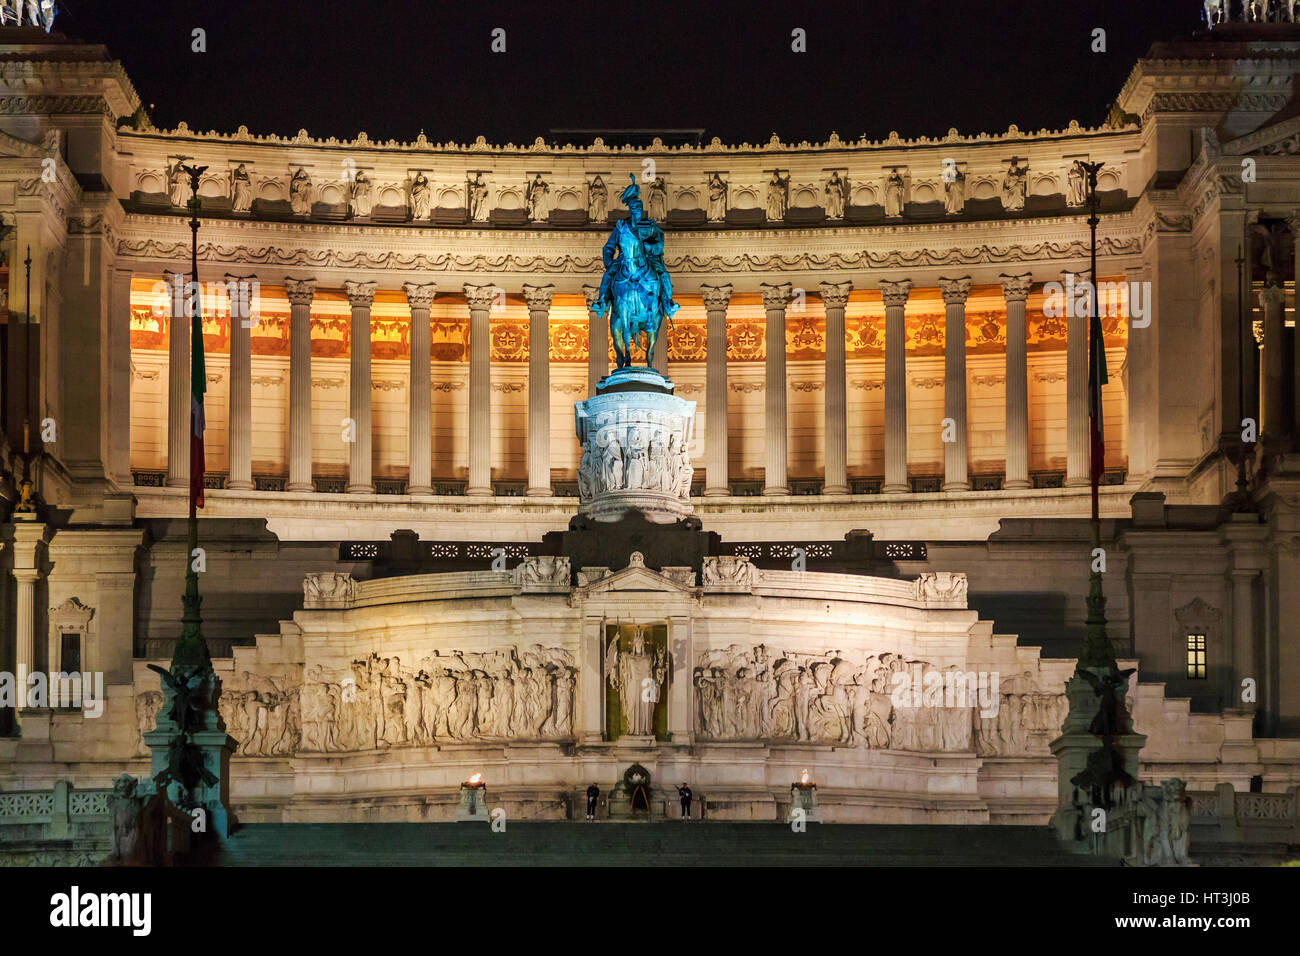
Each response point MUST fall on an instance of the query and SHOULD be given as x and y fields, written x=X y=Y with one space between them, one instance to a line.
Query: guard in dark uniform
x=684 y=792
x=593 y=794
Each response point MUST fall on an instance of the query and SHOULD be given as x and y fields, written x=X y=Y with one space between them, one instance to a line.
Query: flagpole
x=1097 y=648
x=191 y=649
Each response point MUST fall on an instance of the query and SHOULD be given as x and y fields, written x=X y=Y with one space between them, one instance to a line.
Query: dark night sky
x=394 y=68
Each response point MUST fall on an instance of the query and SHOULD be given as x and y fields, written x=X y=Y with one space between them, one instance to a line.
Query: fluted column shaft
x=1243 y=635
x=1015 y=291
x=479 y=300
x=717 y=481
x=895 y=299
x=420 y=299
x=178 y=382
x=300 y=292
x=835 y=298
x=538 y=299
x=28 y=547
x=1294 y=223
x=955 y=292
x=775 y=299
x=1077 y=445
x=1272 y=417
x=239 y=433
x=360 y=296
x=597 y=341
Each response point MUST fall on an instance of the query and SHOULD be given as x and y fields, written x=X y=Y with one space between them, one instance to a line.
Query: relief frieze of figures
x=745 y=693
x=381 y=702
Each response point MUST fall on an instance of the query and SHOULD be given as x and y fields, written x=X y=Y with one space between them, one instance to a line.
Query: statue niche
x=636 y=681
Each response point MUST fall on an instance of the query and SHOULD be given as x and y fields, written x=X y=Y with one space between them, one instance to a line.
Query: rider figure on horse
x=634 y=258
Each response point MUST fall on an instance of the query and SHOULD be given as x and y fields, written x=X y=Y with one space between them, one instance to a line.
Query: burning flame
x=804 y=777
x=474 y=780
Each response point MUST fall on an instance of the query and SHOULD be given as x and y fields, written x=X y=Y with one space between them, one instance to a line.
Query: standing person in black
x=684 y=792
x=593 y=793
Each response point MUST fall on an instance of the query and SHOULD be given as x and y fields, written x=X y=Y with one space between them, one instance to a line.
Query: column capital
x=1016 y=288
x=716 y=297
x=775 y=295
x=360 y=294
x=538 y=297
x=479 y=297
x=299 y=291
x=895 y=293
x=420 y=295
x=589 y=292
x=955 y=291
x=1271 y=295
x=835 y=295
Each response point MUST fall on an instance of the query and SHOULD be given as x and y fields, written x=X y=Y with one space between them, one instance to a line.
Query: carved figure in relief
x=954 y=193
x=613 y=465
x=1077 y=193
x=597 y=199
x=476 y=194
x=363 y=195
x=241 y=190
x=894 y=195
x=657 y=199
x=179 y=184
x=300 y=193
x=1014 y=185
x=835 y=196
x=147 y=705
x=421 y=197
x=778 y=196
x=633 y=674
x=717 y=199
x=535 y=198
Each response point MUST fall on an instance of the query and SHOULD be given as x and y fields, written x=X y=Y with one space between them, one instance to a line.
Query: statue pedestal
x=473 y=804
x=635 y=437
x=804 y=797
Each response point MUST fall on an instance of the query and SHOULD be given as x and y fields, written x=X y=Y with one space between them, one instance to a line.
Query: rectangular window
x=70 y=653
x=1196 y=657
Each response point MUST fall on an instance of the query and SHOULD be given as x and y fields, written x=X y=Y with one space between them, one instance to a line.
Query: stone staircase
x=640 y=844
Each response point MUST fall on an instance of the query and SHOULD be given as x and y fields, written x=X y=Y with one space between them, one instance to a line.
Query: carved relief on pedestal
x=727 y=573
x=325 y=589
x=543 y=571
x=941 y=586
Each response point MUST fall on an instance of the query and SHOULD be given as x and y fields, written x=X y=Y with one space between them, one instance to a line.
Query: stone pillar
x=239 y=430
x=1076 y=380
x=955 y=292
x=1294 y=222
x=28 y=546
x=178 y=383
x=680 y=652
x=590 y=727
x=479 y=300
x=419 y=298
x=895 y=298
x=360 y=296
x=118 y=344
x=716 y=300
x=300 y=292
x=1015 y=291
x=1272 y=416
x=597 y=341
x=1243 y=636
x=539 y=389
x=835 y=298
x=775 y=298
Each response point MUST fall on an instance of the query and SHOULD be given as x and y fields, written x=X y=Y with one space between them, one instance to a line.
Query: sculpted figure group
x=753 y=694
x=645 y=458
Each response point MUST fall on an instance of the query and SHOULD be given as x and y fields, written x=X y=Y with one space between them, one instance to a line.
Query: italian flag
x=198 y=385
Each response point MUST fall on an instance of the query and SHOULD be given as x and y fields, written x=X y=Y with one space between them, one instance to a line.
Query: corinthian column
x=597 y=341
x=1293 y=222
x=239 y=433
x=360 y=296
x=419 y=298
x=835 y=298
x=775 y=299
x=300 y=292
x=1015 y=290
x=539 y=389
x=1076 y=381
x=716 y=300
x=955 y=292
x=479 y=300
x=178 y=383
x=895 y=295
